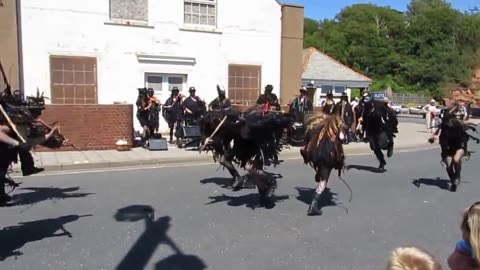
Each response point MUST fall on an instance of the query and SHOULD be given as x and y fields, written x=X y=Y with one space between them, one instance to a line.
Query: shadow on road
x=224 y=182
x=441 y=183
x=249 y=200
x=15 y=237
x=364 y=168
x=39 y=194
x=328 y=198
x=155 y=234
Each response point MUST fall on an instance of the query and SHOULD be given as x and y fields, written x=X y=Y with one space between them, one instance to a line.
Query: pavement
x=410 y=136
x=183 y=217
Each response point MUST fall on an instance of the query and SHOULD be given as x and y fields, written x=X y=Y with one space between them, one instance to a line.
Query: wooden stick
x=12 y=125
x=214 y=132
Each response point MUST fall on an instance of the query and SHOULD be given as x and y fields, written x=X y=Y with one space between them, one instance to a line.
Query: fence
x=406 y=98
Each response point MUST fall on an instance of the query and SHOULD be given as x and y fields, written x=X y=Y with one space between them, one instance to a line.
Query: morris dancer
x=453 y=140
x=380 y=124
x=255 y=146
x=220 y=142
x=11 y=144
x=324 y=152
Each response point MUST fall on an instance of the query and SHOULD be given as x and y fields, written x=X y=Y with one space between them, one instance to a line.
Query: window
x=165 y=82
x=326 y=88
x=73 y=80
x=339 y=89
x=134 y=10
x=244 y=84
x=155 y=82
x=200 y=12
x=175 y=82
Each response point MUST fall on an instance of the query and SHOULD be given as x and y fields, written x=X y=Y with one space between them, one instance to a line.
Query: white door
x=162 y=84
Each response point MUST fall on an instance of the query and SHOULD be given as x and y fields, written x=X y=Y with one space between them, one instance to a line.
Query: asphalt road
x=196 y=223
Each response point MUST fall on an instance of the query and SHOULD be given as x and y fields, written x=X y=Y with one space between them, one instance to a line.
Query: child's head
x=471 y=228
x=412 y=258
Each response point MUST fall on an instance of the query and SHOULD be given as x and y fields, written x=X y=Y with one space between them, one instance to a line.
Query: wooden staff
x=12 y=125
x=214 y=132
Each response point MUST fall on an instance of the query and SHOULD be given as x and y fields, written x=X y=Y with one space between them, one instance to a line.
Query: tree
x=423 y=49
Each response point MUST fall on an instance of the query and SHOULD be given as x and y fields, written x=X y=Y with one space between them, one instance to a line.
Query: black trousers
x=26 y=160
x=379 y=142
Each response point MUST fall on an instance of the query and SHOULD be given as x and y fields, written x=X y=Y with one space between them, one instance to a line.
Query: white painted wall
x=248 y=32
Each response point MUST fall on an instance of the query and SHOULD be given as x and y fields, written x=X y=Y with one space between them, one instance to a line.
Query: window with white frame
x=160 y=82
x=200 y=12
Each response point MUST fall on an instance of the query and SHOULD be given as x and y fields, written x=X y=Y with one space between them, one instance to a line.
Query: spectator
x=429 y=110
x=467 y=251
x=412 y=258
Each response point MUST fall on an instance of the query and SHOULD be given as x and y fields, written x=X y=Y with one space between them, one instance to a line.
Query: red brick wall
x=91 y=127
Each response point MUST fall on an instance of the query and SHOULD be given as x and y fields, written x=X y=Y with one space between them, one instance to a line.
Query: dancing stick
x=12 y=125
x=214 y=132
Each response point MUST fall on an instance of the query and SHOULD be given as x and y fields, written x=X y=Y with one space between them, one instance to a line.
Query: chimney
x=291 y=52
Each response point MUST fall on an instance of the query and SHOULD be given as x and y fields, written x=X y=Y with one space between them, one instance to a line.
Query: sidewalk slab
x=410 y=136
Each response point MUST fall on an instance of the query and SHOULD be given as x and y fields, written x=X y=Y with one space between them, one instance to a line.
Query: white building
x=101 y=51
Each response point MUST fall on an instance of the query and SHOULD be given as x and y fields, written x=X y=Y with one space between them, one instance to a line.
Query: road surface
x=157 y=218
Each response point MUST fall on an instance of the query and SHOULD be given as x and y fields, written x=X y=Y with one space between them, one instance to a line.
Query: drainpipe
x=20 y=46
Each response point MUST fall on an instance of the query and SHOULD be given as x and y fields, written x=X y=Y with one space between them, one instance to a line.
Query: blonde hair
x=412 y=258
x=471 y=227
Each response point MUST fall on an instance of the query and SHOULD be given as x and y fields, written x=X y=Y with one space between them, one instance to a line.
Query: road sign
x=379 y=95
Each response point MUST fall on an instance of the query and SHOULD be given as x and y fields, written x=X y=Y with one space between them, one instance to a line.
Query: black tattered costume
x=380 y=125
x=323 y=151
x=251 y=140
x=453 y=141
x=23 y=118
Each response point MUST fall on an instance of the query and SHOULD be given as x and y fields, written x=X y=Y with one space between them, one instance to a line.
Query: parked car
x=396 y=108
x=418 y=110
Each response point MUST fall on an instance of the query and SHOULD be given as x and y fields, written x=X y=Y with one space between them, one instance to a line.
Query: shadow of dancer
x=438 y=182
x=15 y=237
x=39 y=194
x=155 y=234
x=329 y=199
x=364 y=168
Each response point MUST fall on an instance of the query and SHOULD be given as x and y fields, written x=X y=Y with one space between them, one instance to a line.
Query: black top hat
x=192 y=89
x=175 y=89
x=344 y=94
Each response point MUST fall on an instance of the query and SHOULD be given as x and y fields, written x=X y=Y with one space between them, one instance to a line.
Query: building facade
x=327 y=74
x=101 y=51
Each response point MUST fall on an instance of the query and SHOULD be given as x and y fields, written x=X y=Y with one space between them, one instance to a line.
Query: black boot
x=314 y=209
x=269 y=193
x=455 y=180
x=248 y=183
x=390 y=151
x=4 y=197
x=239 y=182
x=381 y=168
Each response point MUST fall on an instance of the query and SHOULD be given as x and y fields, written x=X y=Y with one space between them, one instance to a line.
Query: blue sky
x=327 y=9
